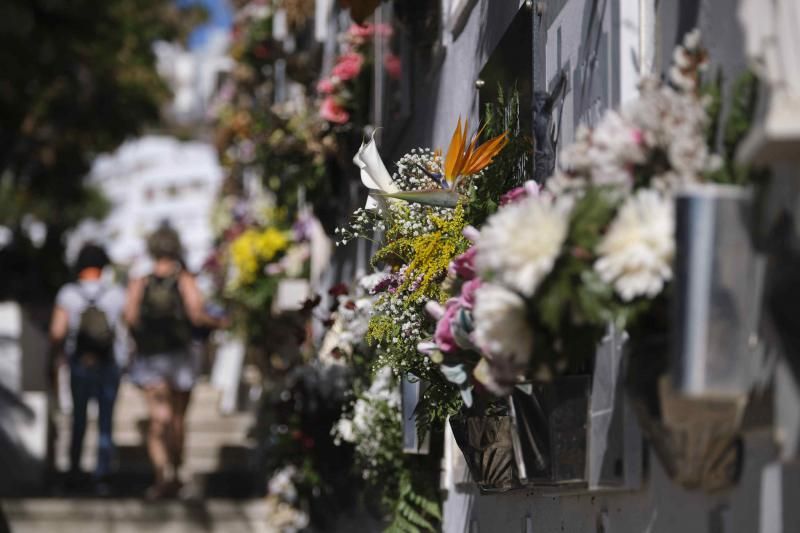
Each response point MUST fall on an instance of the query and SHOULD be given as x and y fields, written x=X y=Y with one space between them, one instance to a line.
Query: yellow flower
x=253 y=248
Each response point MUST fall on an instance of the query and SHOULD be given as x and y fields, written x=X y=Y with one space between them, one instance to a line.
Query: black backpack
x=163 y=326
x=95 y=334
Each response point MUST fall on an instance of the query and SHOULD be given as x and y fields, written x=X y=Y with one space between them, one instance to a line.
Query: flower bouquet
x=421 y=212
x=599 y=250
x=346 y=92
x=257 y=252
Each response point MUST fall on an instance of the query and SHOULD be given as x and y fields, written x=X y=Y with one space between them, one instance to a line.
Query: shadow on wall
x=439 y=77
x=18 y=467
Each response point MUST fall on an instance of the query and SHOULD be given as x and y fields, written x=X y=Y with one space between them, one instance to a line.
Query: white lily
x=374 y=175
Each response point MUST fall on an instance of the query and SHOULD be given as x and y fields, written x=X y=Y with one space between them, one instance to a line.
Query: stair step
x=134 y=516
x=214 y=442
x=238 y=424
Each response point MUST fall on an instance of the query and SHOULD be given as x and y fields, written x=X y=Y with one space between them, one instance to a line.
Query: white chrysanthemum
x=520 y=243
x=504 y=334
x=616 y=145
x=636 y=253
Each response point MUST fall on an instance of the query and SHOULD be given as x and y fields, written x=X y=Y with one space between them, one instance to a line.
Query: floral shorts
x=177 y=369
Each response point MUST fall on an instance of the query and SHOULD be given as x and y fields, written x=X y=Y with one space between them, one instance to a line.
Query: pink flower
x=443 y=337
x=348 y=66
x=325 y=86
x=638 y=136
x=333 y=112
x=362 y=32
x=384 y=30
x=529 y=188
x=393 y=66
x=463 y=266
x=467 y=298
x=471 y=233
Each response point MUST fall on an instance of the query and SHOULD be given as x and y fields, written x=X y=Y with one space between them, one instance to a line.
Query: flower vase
x=695 y=439
x=537 y=438
x=690 y=390
x=718 y=289
x=410 y=393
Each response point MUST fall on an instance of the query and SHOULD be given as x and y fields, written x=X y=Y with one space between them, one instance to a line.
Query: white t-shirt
x=109 y=297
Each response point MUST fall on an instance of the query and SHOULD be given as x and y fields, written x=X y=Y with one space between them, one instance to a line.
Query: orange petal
x=453 y=151
x=485 y=153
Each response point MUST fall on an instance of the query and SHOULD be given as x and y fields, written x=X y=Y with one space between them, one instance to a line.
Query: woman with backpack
x=87 y=333
x=161 y=309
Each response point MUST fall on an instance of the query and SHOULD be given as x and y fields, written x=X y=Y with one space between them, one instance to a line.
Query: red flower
x=348 y=66
x=261 y=51
x=340 y=289
x=364 y=31
x=384 y=30
x=325 y=86
x=331 y=111
x=393 y=66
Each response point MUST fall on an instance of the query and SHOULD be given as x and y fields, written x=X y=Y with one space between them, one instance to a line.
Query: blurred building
x=148 y=181
x=160 y=178
x=193 y=74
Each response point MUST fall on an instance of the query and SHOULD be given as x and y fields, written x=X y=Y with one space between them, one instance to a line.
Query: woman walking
x=87 y=328
x=161 y=309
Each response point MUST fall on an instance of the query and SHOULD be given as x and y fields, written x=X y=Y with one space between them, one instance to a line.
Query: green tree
x=78 y=78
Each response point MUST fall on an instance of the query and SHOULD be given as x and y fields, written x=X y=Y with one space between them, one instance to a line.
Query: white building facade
x=149 y=181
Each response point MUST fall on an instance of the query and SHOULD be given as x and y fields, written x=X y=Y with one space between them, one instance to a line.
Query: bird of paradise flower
x=463 y=159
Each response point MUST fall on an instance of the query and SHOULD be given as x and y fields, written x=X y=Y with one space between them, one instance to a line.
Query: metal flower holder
x=411 y=389
x=718 y=285
x=691 y=405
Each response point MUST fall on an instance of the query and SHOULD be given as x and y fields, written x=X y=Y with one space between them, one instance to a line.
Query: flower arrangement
x=344 y=93
x=599 y=245
x=282 y=514
x=344 y=341
x=422 y=211
x=374 y=429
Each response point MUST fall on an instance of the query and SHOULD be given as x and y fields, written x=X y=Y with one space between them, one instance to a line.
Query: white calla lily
x=374 y=175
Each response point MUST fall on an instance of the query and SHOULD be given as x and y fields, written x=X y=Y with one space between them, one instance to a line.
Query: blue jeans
x=99 y=381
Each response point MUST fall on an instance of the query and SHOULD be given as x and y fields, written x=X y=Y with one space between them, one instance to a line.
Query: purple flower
x=467 y=298
x=444 y=331
x=529 y=188
x=463 y=266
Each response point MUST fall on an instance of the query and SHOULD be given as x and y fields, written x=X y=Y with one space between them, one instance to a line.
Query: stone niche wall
x=597 y=44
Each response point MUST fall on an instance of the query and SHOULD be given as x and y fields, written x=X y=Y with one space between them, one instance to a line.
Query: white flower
x=344 y=429
x=616 y=145
x=520 y=243
x=503 y=333
x=373 y=172
x=282 y=484
x=636 y=252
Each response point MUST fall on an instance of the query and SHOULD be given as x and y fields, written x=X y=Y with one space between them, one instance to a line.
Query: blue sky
x=219 y=17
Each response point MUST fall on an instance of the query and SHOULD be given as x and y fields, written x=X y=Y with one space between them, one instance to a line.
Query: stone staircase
x=218 y=467
x=218 y=451
x=133 y=516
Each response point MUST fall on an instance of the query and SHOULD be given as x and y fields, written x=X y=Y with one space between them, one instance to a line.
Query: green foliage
x=511 y=168
x=414 y=512
x=439 y=401
x=573 y=306
x=726 y=137
x=79 y=78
